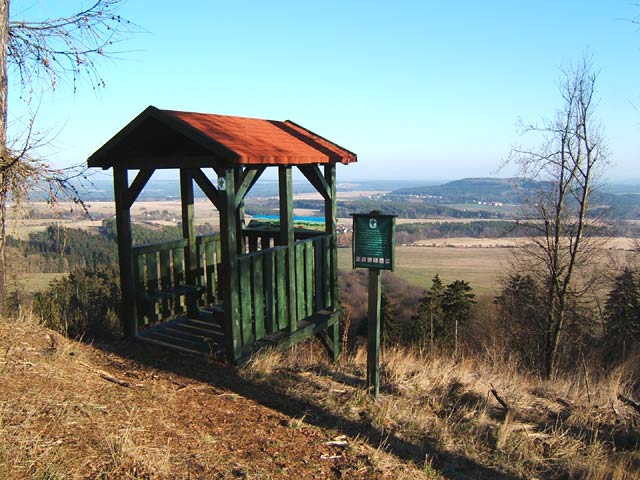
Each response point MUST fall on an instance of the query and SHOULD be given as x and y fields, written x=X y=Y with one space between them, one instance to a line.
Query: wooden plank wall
x=160 y=271
x=262 y=282
x=264 y=291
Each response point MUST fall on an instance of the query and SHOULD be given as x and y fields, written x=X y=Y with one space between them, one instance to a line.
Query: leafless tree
x=572 y=152
x=38 y=55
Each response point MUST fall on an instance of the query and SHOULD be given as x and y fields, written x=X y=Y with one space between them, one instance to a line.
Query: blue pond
x=295 y=219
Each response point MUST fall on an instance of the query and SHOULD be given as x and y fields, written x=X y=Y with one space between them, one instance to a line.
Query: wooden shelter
x=226 y=293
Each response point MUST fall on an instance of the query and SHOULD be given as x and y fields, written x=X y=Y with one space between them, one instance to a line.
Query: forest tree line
x=59 y=249
x=446 y=316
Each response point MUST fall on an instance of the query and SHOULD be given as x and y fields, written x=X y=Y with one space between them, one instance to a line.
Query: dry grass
x=439 y=413
x=70 y=410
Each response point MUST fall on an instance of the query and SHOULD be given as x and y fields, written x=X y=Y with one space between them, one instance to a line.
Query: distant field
x=37 y=282
x=474 y=207
x=480 y=261
x=402 y=221
x=481 y=267
x=616 y=243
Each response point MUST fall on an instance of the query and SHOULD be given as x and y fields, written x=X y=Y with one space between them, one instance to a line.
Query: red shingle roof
x=238 y=140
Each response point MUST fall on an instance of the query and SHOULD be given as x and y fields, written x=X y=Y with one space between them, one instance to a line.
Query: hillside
x=120 y=410
x=504 y=190
x=617 y=202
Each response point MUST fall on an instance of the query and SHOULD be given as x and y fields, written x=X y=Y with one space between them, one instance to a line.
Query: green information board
x=373 y=241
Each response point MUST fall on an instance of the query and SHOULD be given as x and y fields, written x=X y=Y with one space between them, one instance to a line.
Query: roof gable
x=174 y=139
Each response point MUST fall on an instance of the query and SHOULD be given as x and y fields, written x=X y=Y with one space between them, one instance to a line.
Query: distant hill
x=504 y=190
x=515 y=191
x=619 y=206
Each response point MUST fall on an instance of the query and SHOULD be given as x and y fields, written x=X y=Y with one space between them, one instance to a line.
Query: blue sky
x=419 y=89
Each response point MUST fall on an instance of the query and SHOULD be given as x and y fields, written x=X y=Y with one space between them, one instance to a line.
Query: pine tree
x=457 y=300
x=428 y=322
x=622 y=314
x=523 y=319
x=390 y=328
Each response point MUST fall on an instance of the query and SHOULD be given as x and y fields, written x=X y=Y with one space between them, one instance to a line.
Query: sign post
x=373 y=248
x=373 y=333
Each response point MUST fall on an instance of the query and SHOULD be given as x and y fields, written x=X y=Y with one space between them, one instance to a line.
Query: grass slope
x=70 y=410
x=121 y=410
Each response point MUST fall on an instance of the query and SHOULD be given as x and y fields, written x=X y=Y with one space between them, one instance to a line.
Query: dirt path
x=71 y=410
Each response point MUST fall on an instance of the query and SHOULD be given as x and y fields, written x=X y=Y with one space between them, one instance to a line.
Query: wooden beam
x=331 y=340
x=331 y=226
x=315 y=177
x=189 y=234
x=229 y=278
x=232 y=189
x=129 y=314
x=248 y=179
x=287 y=239
x=137 y=185
x=189 y=161
x=318 y=322
x=207 y=187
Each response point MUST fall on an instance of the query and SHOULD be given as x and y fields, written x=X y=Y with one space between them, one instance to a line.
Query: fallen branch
x=330 y=457
x=339 y=441
x=630 y=402
x=110 y=378
x=494 y=392
x=106 y=376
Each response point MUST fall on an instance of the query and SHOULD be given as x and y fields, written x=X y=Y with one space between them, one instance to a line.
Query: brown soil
x=124 y=410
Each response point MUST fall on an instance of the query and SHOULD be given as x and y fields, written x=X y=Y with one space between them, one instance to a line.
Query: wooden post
x=331 y=226
x=129 y=314
x=373 y=333
x=242 y=247
x=189 y=233
x=287 y=238
x=229 y=251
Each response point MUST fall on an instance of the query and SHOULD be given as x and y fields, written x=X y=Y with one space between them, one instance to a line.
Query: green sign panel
x=373 y=241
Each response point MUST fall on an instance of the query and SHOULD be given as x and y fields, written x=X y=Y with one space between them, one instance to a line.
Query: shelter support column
x=129 y=314
x=287 y=238
x=229 y=250
x=239 y=213
x=189 y=233
x=331 y=227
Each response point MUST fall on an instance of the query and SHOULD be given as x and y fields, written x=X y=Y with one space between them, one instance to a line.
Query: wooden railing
x=256 y=240
x=161 y=278
x=263 y=293
x=208 y=259
x=264 y=305
x=165 y=289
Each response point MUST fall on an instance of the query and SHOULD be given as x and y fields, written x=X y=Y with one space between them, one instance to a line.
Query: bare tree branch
x=43 y=53
x=67 y=47
x=571 y=154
